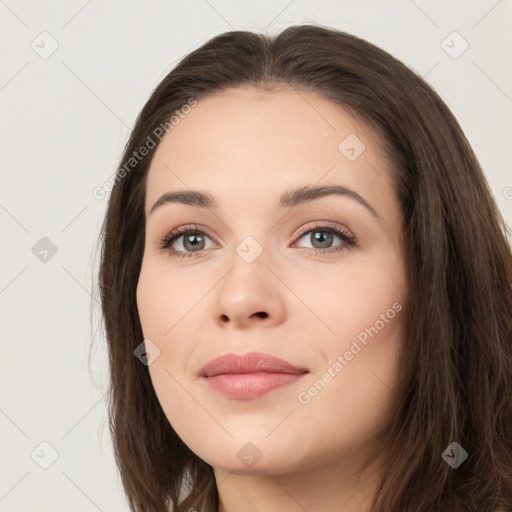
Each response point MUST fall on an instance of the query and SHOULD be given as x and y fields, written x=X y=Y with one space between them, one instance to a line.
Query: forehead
x=249 y=143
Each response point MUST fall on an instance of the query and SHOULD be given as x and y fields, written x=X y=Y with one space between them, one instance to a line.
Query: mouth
x=249 y=376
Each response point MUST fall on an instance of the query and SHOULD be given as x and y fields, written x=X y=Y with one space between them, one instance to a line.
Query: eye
x=194 y=240
x=322 y=237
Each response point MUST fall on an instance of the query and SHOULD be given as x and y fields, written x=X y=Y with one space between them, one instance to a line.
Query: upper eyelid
x=322 y=225
x=181 y=230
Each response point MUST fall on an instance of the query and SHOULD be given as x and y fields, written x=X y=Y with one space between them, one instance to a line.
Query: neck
x=331 y=486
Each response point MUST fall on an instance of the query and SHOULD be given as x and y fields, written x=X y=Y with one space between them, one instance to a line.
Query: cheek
x=162 y=299
x=146 y=294
x=160 y=309
x=364 y=312
x=352 y=396
x=348 y=298
x=163 y=317
x=168 y=318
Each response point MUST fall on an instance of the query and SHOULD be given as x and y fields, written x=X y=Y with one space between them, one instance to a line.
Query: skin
x=246 y=147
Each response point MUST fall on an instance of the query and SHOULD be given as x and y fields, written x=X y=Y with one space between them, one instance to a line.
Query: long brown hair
x=455 y=382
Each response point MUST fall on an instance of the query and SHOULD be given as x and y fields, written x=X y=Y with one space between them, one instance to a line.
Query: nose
x=249 y=295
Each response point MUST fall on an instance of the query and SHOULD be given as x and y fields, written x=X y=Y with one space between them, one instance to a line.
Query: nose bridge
x=250 y=235
x=249 y=292
x=248 y=262
x=250 y=250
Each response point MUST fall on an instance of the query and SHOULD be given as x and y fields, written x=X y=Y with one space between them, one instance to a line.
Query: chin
x=250 y=454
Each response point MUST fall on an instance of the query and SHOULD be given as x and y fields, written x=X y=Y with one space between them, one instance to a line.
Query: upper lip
x=252 y=362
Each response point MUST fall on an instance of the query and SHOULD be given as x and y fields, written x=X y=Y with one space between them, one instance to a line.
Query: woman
x=306 y=288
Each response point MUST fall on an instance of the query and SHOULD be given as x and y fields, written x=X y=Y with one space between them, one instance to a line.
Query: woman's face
x=313 y=278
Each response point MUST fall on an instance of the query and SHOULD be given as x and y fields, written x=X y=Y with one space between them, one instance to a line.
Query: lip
x=250 y=375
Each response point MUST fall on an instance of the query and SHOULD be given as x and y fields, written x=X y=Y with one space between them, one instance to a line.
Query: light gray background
x=64 y=122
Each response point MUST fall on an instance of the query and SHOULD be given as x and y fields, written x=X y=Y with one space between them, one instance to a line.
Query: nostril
x=261 y=314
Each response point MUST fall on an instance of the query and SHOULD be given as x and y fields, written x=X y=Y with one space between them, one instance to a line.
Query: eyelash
x=348 y=240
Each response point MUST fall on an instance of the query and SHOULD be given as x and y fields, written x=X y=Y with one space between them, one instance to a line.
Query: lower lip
x=250 y=385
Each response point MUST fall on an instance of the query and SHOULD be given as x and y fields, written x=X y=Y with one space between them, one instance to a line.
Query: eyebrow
x=290 y=198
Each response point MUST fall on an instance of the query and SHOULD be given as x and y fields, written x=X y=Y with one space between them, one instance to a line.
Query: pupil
x=319 y=236
x=193 y=241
